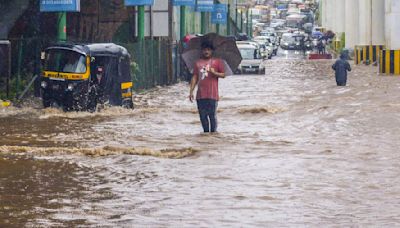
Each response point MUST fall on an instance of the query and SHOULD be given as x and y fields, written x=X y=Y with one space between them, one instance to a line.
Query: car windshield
x=248 y=53
x=288 y=39
x=261 y=39
x=66 y=61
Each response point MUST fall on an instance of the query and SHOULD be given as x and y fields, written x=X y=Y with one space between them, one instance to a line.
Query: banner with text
x=139 y=2
x=220 y=14
x=184 y=3
x=205 y=5
x=60 y=5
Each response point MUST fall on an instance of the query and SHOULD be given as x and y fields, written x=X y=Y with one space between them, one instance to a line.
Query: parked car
x=252 y=61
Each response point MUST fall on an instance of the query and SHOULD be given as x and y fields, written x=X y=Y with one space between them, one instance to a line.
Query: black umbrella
x=225 y=48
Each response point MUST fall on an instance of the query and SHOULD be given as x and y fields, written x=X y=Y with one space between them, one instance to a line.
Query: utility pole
x=183 y=22
x=251 y=24
x=228 y=24
x=203 y=23
x=247 y=22
x=141 y=22
x=62 y=26
x=241 y=21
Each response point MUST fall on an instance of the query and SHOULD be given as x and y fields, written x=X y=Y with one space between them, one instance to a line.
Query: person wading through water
x=206 y=73
x=341 y=66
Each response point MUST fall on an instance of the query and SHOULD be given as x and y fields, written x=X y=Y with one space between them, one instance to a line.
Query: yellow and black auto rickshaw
x=80 y=76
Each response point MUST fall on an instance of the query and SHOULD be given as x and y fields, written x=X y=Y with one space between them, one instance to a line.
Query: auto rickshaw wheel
x=92 y=101
x=128 y=104
x=46 y=101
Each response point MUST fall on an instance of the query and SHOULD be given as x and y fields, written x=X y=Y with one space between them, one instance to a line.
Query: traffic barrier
x=389 y=62
x=5 y=103
x=367 y=53
x=319 y=56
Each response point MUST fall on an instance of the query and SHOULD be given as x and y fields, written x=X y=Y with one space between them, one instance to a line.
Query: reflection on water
x=292 y=150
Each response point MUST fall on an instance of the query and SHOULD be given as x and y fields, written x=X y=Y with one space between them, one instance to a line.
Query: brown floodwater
x=293 y=150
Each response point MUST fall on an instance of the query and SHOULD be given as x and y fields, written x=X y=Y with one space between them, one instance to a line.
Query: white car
x=252 y=61
x=269 y=42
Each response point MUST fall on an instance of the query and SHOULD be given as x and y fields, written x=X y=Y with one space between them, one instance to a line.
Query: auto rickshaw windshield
x=66 y=61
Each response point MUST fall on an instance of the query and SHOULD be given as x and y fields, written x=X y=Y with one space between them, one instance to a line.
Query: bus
x=296 y=21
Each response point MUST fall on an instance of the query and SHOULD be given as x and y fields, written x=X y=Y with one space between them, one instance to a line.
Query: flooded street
x=293 y=150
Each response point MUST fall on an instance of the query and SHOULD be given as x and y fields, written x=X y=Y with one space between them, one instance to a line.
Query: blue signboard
x=205 y=5
x=184 y=2
x=139 y=2
x=220 y=14
x=282 y=7
x=60 y=5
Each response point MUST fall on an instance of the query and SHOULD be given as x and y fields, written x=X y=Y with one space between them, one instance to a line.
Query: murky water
x=293 y=150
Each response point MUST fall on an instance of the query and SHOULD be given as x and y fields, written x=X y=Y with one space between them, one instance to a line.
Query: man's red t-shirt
x=208 y=83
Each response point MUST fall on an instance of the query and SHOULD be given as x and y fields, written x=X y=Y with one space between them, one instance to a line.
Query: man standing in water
x=206 y=72
x=341 y=66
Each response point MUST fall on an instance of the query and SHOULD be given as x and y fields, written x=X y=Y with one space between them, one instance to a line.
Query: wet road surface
x=293 y=150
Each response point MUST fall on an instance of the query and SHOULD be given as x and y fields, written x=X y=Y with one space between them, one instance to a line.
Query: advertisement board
x=139 y=2
x=184 y=3
x=60 y=5
x=220 y=14
x=205 y=6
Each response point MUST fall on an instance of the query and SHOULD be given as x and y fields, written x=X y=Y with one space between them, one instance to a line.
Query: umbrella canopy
x=225 y=48
x=188 y=37
x=317 y=34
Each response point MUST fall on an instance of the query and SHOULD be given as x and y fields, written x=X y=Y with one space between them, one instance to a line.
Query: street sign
x=220 y=14
x=205 y=5
x=60 y=5
x=184 y=2
x=139 y=2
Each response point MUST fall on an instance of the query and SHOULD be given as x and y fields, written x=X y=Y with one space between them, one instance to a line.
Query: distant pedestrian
x=206 y=73
x=321 y=47
x=341 y=66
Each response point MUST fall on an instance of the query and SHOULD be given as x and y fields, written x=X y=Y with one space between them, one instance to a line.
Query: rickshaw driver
x=74 y=64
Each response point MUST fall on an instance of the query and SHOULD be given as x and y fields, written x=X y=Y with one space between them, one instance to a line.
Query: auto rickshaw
x=80 y=76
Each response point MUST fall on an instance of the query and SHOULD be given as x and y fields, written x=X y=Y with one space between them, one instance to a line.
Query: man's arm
x=218 y=74
x=193 y=84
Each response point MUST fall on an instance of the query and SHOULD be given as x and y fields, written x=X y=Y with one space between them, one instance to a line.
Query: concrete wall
x=339 y=16
x=378 y=22
x=392 y=25
x=351 y=25
x=364 y=23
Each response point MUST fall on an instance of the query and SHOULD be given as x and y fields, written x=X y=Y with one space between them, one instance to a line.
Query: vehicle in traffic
x=288 y=41
x=293 y=41
x=269 y=42
x=252 y=61
x=296 y=21
x=80 y=76
x=277 y=23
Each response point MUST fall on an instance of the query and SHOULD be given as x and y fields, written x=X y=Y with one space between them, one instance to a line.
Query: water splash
x=103 y=151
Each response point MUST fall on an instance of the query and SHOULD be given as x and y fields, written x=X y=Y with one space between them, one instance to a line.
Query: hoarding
x=184 y=3
x=205 y=5
x=219 y=15
x=139 y=2
x=60 y=5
